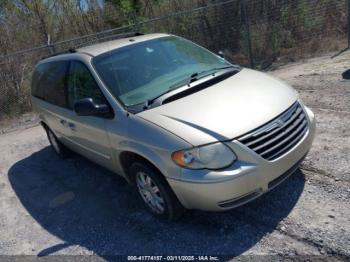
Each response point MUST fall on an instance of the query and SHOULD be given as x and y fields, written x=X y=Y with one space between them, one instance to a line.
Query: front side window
x=81 y=84
x=142 y=71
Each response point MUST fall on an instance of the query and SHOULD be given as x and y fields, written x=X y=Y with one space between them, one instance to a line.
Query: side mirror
x=221 y=54
x=87 y=107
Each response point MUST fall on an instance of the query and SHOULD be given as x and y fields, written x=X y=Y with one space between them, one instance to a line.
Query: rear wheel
x=155 y=192
x=57 y=146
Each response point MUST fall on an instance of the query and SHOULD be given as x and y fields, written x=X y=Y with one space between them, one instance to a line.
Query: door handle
x=71 y=126
x=63 y=122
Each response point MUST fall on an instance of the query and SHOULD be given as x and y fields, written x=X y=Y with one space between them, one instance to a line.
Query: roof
x=104 y=47
x=100 y=48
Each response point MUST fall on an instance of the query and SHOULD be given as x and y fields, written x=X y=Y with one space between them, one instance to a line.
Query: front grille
x=278 y=136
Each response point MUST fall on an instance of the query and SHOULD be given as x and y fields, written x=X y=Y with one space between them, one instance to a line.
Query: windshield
x=139 y=72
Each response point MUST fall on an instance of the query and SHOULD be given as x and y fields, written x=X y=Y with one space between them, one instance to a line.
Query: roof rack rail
x=70 y=50
x=108 y=38
x=73 y=50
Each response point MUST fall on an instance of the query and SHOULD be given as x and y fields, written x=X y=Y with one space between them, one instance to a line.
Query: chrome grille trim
x=275 y=130
x=278 y=136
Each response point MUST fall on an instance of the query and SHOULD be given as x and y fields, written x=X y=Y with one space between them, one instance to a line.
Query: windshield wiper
x=150 y=101
x=187 y=81
x=211 y=70
x=199 y=75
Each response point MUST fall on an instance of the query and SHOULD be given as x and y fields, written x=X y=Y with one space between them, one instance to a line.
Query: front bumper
x=242 y=182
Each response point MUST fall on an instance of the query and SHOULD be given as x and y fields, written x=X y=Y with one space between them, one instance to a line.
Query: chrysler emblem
x=279 y=122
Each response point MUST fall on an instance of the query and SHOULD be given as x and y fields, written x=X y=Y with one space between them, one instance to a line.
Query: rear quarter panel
x=51 y=116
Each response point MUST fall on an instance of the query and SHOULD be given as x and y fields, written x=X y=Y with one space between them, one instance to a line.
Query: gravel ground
x=24 y=121
x=50 y=206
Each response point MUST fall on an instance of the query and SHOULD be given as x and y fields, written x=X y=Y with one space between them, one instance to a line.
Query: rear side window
x=49 y=82
x=37 y=89
x=81 y=84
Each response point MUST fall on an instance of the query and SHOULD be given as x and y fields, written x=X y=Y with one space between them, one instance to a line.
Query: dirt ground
x=50 y=206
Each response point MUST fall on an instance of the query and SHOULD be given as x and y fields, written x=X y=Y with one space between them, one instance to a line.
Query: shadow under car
x=84 y=204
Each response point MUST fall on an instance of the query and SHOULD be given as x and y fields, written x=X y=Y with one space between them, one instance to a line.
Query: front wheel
x=155 y=192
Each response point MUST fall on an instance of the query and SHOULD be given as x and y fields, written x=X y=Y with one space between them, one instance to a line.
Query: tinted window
x=49 y=82
x=37 y=89
x=81 y=84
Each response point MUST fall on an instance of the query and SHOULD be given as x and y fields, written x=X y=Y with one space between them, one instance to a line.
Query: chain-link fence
x=254 y=33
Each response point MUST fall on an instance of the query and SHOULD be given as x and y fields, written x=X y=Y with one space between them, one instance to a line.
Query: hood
x=225 y=110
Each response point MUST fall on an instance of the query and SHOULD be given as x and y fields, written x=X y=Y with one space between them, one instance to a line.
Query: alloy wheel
x=150 y=192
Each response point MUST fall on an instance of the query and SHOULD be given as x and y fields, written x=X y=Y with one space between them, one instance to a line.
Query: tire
x=155 y=189
x=56 y=145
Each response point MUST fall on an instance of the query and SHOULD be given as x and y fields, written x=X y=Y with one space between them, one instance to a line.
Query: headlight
x=213 y=156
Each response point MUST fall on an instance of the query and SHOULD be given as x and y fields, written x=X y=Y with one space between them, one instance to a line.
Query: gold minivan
x=185 y=127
